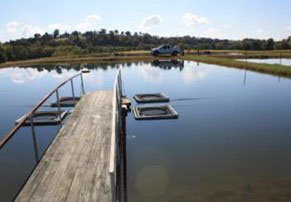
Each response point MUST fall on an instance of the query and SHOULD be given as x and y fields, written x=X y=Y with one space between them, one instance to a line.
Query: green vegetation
x=274 y=69
x=242 y=54
x=96 y=42
x=135 y=56
x=81 y=59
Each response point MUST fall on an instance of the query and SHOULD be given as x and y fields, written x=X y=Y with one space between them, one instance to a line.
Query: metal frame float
x=66 y=102
x=154 y=112
x=29 y=115
x=54 y=118
x=151 y=98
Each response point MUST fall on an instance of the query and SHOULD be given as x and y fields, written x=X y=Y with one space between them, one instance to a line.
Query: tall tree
x=37 y=36
x=3 y=56
x=270 y=44
x=56 y=33
x=102 y=32
x=128 y=33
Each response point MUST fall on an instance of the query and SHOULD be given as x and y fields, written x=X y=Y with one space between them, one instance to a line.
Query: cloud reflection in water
x=153 y=75
x=191 y=74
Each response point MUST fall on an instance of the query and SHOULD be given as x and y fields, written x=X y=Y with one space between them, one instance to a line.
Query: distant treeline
x=103 y=41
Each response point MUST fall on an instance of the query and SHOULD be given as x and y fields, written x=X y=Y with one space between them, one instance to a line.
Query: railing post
x=59 y=106
x=9 y=135
x=34 y=138
x=73 y=91
x=82 y=83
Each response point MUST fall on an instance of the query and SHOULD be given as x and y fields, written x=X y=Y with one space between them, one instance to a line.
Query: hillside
x=104 y=41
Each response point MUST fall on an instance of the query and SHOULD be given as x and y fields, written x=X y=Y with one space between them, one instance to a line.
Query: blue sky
x=231 y=19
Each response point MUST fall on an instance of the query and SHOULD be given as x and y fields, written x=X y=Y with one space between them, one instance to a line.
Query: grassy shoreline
x=273 y=69
x=75 y=60
x=135 y=56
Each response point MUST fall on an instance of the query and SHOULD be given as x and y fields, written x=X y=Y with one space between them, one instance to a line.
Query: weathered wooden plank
x=69 y=173
x=75 y=167
x=100 y=142
x=97 y=126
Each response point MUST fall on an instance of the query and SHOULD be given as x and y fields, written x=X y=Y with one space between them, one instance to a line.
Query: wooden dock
x=76 y=165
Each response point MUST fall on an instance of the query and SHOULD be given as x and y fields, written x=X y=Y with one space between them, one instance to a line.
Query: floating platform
x=76 y=165
x=46 y=118
x=151 y=98
x=66 y=102
x=154 y=112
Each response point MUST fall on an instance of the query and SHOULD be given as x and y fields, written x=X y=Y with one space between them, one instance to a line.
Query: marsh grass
x=274 y=69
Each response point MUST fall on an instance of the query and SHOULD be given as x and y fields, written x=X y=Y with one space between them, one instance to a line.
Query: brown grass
x=273 y=69
x=216 y=57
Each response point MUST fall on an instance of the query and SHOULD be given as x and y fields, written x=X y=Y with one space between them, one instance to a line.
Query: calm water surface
x=231 y=142
x=283 y=61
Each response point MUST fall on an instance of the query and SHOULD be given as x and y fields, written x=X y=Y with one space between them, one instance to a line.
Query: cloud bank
x=15 y=30
x=191 y=20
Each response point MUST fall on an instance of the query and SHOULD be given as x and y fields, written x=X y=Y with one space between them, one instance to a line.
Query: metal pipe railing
x=30 y=114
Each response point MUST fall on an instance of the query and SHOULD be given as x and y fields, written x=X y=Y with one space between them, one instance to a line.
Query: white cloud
x=12 y=27
x=29 y=31
x=25 y=75
x=191 y=20
x=17 y=78
x=212 y=33
x=288 y=28
x=15 y=30
x=190 y=74
x=90 y=23
x=154 y=75
x=61 y=27
x=95 y=78
x=3 y=71
x=150 y=21
x=33 y=74
x=93 y=19
x=259 y=31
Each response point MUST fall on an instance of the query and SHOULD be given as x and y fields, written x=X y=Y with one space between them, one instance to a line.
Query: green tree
x=9 y=52
x=56 y=33
x=111 y=33
x=102 y=31
x=270 y=44
x=47 y=37
x=246 y=44
x=256 y=45
x=75 y=33
x=37 y=36
x=3 y=56
x=285 y=44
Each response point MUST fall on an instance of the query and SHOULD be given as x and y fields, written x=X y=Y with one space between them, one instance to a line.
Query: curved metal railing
x=30 y=114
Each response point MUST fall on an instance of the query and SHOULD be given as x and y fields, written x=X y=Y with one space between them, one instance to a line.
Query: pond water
x=231 y=142
x=283 y=61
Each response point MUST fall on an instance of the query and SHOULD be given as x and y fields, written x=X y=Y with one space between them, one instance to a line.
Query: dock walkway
x=75 y=167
